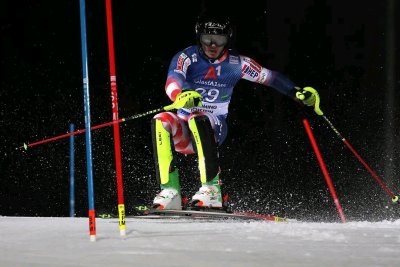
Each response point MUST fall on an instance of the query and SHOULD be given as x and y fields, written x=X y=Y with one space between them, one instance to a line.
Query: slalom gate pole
x=25 y=146
x=71 y=172
x=395 y=198
x=114 y=105
x=324 y=170
x=86 y=98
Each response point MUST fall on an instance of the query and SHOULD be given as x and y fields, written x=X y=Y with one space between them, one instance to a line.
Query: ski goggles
x=218 y=40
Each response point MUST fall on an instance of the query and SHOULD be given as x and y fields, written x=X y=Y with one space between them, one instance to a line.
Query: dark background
x=339 y=47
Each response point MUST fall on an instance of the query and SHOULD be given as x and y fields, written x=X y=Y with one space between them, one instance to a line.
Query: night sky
x=341 y=48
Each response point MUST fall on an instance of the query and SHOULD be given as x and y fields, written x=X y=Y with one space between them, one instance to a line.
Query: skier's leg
x=163 y=126
x=208 y=131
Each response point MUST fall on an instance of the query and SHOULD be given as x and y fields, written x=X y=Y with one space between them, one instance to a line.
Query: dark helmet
x=213 y=25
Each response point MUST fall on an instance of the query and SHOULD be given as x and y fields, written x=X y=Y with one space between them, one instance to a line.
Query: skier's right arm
x=174 y=87
x=177 y=75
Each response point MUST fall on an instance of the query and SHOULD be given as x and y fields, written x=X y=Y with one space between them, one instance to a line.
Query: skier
x=200 y=83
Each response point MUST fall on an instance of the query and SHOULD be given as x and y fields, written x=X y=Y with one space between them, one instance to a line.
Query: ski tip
x=106 y=215
x=25 y=146
x=263 y=217
x=279 y=219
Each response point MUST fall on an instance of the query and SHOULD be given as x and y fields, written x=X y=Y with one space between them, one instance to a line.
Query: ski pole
x=309 y=90
x=177 y=104
x=394 y=197
x=30 y=145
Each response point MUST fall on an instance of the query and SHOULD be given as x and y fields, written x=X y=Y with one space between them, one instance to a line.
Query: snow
x=45 y=241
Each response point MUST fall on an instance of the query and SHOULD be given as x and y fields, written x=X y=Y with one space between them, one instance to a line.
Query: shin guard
x=166 y=175
x=206 y=148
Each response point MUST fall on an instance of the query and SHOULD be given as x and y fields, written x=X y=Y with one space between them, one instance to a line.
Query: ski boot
x=169 y=199
x=209 y=196
x=170 y=195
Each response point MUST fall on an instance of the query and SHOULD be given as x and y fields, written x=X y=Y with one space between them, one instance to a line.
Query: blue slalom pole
x=92 y=214
x=71 y=171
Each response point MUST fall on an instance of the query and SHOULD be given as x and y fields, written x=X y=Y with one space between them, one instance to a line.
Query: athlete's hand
x=186 y=99
x=305 y=96
x=309 y=97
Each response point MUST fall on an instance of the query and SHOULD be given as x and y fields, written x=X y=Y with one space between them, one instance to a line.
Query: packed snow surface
x=44 y=241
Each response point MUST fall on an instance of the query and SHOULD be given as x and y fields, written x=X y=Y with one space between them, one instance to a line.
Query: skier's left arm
x=254 y=72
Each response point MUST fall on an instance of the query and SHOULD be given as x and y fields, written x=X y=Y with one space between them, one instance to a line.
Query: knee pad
x=161 y=151
x=205 y=146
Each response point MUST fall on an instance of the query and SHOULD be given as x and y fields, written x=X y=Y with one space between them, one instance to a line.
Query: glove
x=186 y=99
x=309 y=97
x=306 y=96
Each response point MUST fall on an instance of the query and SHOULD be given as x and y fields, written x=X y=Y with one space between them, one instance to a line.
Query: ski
x=145 y=212
x=221 y=214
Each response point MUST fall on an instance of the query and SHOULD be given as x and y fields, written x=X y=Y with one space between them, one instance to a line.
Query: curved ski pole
x=395 y=198
x=318 y=111
x=25 y=146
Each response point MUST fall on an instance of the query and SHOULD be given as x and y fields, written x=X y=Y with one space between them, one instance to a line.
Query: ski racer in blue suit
x=200 y=83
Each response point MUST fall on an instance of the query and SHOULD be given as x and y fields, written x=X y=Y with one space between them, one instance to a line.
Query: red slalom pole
x=114 y=105
x=324 y=170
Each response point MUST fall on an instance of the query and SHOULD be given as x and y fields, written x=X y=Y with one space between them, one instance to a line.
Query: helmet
x=214 y=26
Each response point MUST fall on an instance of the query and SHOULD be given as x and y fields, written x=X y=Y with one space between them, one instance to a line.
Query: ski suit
x=214 y=80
